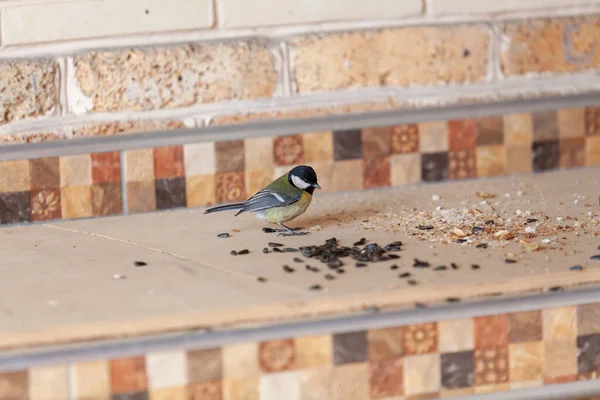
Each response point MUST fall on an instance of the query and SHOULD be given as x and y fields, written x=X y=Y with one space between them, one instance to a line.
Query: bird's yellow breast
x=278 y=215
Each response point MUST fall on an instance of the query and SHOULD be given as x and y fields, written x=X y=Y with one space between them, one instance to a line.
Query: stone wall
x=87 y=67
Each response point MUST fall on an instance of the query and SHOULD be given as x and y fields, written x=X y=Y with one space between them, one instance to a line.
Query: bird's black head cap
x=307 y=178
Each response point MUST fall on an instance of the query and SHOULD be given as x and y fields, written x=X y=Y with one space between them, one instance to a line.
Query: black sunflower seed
x=277 y=250
x=420 y=264
x=555 y=289
x=332 y=241
x=490 y=222
x=298 y=260
x=273 y=244
x=475 y=266
x=393 y=267
x=329 y=277
x=360 y=265
x=265 y=250
x=404 y=275
x=361 y=242
x=510 y=261
x=290 y=250
x=395 y=244
x=576 y=268
x=223 y=235
x=482 y=246
x=425 y=227
x=420 y=305
x=530 y=220
x=140 y=263
x=340 y=271
x=233 y=253
x=454 y=265
x=288 y=269
x=412 y=282
x=334 y=264
x=245 y=251
x=477 y=229
x=261 y=279
x=268 y=230
x=315 y=287
x=595 y=257
x=461 y=240
x=393 y=256
x=453 y=300
x=440 y=268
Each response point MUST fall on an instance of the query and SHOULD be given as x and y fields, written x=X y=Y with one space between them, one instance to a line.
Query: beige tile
x=91 y=380
x=313 y=351
x=422 y=374
x=455 y=335
x=571 y=122
x=443 y=7
x=433 y=137
x=240 y=361
x=526 y=384
x=280 y=386
x=258 y=153
x=256 y=180
x=166 y=369
x=242 y=389
x=343 y=176
x=200 y=190
x=518 y=130
x=445 y=394
x=405 y=168
x=500 y=387
x=316 y=383
x=172 y=393
x=76 y=202
x=560 y=358
x=199 y=158
x=139 y=165
x=318 y=147
x=490 y=160
x=141 y=196
x=49 y=383
x=350 y=381
x=526 y=360
x=592 y=150
x=14 y=176
x=75 y=170
x=519 y=159
x=559 y=323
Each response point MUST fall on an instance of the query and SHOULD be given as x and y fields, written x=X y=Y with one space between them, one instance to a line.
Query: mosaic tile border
x=206 y=173
x=444 y=358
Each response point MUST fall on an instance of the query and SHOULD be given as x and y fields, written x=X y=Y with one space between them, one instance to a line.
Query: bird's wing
x=268 y=199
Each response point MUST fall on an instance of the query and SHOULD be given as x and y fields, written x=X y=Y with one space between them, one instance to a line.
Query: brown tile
x=592 y=121
x=386 y=378
x=526 y=360
x=450 y=393
x=170 y=393
x=205 y=365
x=229 y=155
x=205 y=391
x=344 y=176
x=588 y=318
x=128 y=375
x=490 y=161
x=571 y=122
x=491 y=366
x=277 y=355
x=385 y=344
x=559 y=379
x=433 y=137
x=545 y=126
x=560 y=358
x=76 y=202
x=525 y=326
x=423 y=396
x=377 y=173
x=230 y=187
x=376 y=142
x=347 y=145
x=559 y=323
x=76 y=170
x=405 y=138
x=588 y=353
x=422 y=374
x=519 y=159
x=139 y=165
x=170 y=193
x=457 y=370
x=318 y=147
x=168 y=162
x=592 y=151
x=420 y=339
x=14 y=385
x=350 y=381
x=15 y=207
x=572 y=152
x=288 y=150
x=45 y=204
x=241 y=389
x=141 y=197
x=256 y=180
x=106 y=167
x=518 y=130
x=405 y=168
x=106 y=199
x=490 y=131
x=494 y=388
x=14 y=176
x=462 y=164
x=462 y=134
x=434 y=167
x=350 y=347
x=200 y=190
x=44 y=173
x=314 y=351
x=491 y=331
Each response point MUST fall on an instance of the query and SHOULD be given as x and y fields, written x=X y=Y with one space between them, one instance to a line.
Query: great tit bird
x=284 y=199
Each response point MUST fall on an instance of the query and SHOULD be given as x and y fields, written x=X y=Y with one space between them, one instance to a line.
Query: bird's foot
x=288 y=230
x=286 y=234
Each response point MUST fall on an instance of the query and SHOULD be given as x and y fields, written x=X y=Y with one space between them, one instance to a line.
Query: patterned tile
x=462 y=164
x=420 y=339
x=385 y=344
x=433 y=137
x=434 y=167
x=45 y=204
x=457 y=370
x=166 y=369
x=490 y=131
x=240 y=361
x=230 y=187
x=490 y=160
x=106 y=199
x=205 y=391
x=377 y=173
x=128 y=375
x=456 y=335
x=572 y=152
x=282 y=385
x=318 y=147
x=350 y=347
x=405 y=169
x=277 y=355
x=14 y=385
x=347 y=145
x=559 y=323
x=14 y=176
x=588 y=318
x=229 y=156
x=491 y=366
x=91 y=380
x=525 y=326
x=15 y=207
x=560 y=358
x=518 y=130
x=44 y=173
x=241 y=389
x=526 y=361
x=314 y=351
x=462 y=134
x=76 y=202
x=588 y=353
x=405 y=139
x=519 y=159
x=376 y=142
x=592 y=121
x=386 y=378
x=288 y=150
x=49 y=382
x=106 y=167
x=545 y=126
x=422 y=374
x=491 y=331
x=170 y=193
x=204 y=365
x=571 y=123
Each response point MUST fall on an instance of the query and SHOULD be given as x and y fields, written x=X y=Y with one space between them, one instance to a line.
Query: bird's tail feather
x=225 y=207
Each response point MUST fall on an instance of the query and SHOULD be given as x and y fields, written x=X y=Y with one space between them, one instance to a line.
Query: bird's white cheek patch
x=299 y=183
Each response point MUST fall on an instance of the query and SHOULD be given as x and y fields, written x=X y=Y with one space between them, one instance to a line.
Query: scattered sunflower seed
x=265 y=250
x=530 y=220
x=395 y=244
x=555 y=289
x=576 y=268
x=393 y=256
x=477 y=229
x=340 y=271
x=261 y=279
x=453 y=300
x=490 y=222
x=393 y=267
x=412 y=282
x=223 y=235
x=595 y=257
x=361 y=242
x=420 y=305
x=461 y=240
x=298 y=260
x=140 y=263
x=273 y=244
x=288 y=269
x=440 y=268
x=420 y=264
x=454 y=265
x=360 y=265
x=245 y=251
x=425 y=227
x=510 y=261
x=315 y=287
x=334 y=264
x=482 y=246
x=329 y=277
x=277 y=250
x=233 y=253
x=404 y=275
x=269 y=230
x=475 y=266
x=290 y=250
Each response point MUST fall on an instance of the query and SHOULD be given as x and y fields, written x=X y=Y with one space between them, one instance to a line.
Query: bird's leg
x=292 y=231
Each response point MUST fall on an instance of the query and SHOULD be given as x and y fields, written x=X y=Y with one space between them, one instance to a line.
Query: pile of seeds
x=330 y=252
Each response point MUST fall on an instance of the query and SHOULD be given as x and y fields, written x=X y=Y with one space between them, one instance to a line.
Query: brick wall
x=102 y=67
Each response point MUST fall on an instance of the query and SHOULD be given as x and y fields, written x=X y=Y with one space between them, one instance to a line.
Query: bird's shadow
x=326 y=220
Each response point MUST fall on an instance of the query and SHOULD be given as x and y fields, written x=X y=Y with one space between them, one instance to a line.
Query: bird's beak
x=316 y=185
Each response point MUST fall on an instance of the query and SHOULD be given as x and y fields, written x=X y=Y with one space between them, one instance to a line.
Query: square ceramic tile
x=495 y=388
x=422 y=374
x=572 y=152
x=518 y=130
x=347 y=145
x=45 y=204
x=277 y=355
x=491 y=331
x=258 y=153
x=205 y=390
x=139 y=165
x=434 y=167
x=385 y=344
x=526 y=361
x=76 y=170
x=350 y=347
x=386 y=378
x=91 y=380
x=592 y=151
x=457 y=369
x=545 y=126
x=588 y=318
x=350 y=381
x=199 y=158
x=560 y=358
x=405 y=169
x=170 y=393
x=168 y=162
x=405 y=139
x=14 y=385
x=280 y=386
x=519 y=159
x=205 y=365
x=200 y=190
x=106 y=199
x=288 y=150
x=166 y=369
x=44 y=173
x=433 y=137
x=450 y=393
x=592 y=121
x=571 y=122
x=141 y=196
x=314 y=351
x=345 y=176
x=526 y=384
x=170 y=193
x=377 y=173
x=491 y=366
x=490 y=131
x=588 y=353
x=376 y=142
x=462 y=134
x=318 y=147
x=230 y=187
x=14 y=176
x=559 y=323
x=490 y=161
x=128 y=375
x=76 y=202
x=242 y=389
x=420 y=338
x=106 y=167
x=525 y=326
x=229 y=155
x=546 y=155
x=456 y=335
x=316 y=383
x=462 y=164
x=240 y=361
x=49 y=382
x=15 y=207
x=256 y=180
